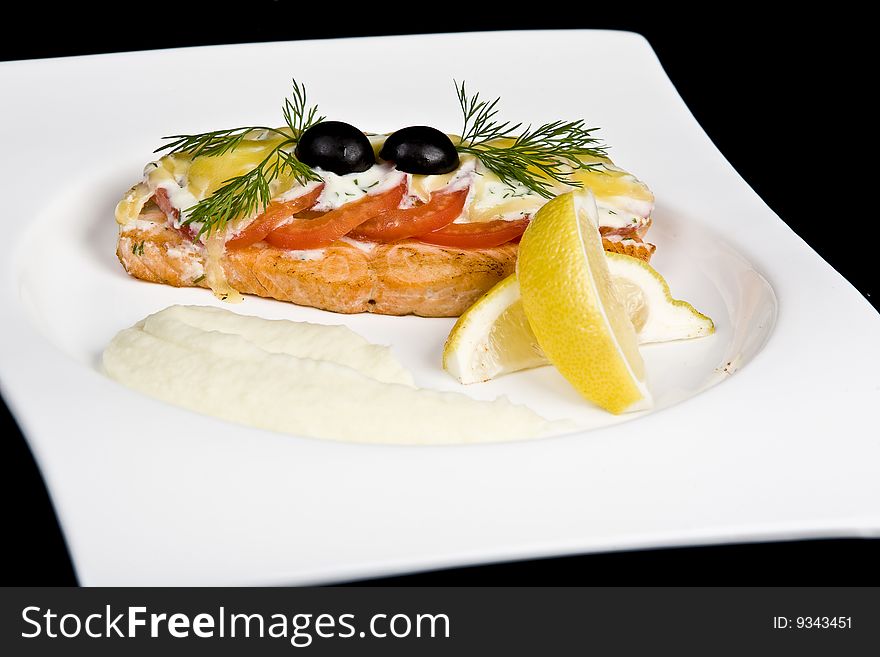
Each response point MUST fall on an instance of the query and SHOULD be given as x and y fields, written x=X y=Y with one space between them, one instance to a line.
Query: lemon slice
x=570 y=303
x=492 y=337
x=645 y=294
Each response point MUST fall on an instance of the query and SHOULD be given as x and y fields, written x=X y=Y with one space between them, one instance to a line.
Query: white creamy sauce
x=339 y=190
x=621 y=211
x=304 y=254
x=613 y=217
x=492 y=190
x=180 y=197
x=421 y=187
x=304 y=379
x=489 y=198
x=297 y=191
x=141 y=224
x=366 y=247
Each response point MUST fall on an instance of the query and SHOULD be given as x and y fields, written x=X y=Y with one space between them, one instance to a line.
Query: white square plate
x=785 y=446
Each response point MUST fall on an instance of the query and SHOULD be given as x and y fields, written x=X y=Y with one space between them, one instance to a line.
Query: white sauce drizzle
x=339 y=190
x=366 y=247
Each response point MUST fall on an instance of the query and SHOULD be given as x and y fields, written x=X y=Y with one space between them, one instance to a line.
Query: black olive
x=420 y=149
x=335 y=146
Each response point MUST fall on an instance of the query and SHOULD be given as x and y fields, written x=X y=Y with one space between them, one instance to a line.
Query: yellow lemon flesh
x=493 y=337
x=645 y=294
x=571 y=305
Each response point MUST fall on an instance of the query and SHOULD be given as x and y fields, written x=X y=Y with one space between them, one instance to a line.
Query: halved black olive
x=335 y=146
x=420 y=149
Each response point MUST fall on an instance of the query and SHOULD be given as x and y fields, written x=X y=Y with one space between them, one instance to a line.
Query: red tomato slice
x=441 y=210
x=274 y=214
x=305 y=233
x=481 y=235
x=160 y=198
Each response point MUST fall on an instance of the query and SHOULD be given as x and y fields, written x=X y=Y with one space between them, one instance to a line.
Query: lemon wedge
x=572 y=307
x=645 y=294
x=493 y=337
x=561 y=298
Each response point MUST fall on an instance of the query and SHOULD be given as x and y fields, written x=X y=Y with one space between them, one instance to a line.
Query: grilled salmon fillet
x=402 y=278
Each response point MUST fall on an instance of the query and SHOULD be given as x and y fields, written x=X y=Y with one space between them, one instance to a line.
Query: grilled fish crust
x=403 y=278
x=640 y=250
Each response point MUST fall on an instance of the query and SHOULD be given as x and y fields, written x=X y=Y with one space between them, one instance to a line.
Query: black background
x=782 y=95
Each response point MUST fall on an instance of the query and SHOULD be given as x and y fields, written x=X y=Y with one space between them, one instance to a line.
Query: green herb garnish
x=248 y=193
x=536 y=159
x=554 y=149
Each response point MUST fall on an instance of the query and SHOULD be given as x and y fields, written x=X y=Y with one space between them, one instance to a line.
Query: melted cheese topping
x=622 y=198
x=215 y=275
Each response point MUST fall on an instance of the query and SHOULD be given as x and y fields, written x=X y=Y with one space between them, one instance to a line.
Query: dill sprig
x=217 y=142
x=537 y=156
x=250 y=192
